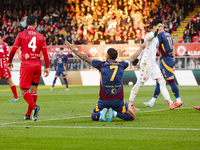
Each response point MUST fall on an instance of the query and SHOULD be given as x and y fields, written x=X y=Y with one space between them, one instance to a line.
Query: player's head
x=111 y=54
x=157 y=23
x=61 y=50
x=31 y=21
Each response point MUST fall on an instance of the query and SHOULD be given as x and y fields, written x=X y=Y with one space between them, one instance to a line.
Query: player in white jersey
x=148 y=67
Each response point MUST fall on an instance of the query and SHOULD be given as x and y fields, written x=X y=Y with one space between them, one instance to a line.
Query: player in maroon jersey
x=4 y=70
x=32 y=43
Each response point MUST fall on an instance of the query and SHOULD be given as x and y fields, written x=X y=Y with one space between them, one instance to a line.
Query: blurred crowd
x=192 y=32
x=91 y=21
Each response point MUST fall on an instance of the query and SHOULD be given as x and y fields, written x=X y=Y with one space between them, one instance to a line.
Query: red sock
x=29 y=99
x=14 y=90
x=34 y=96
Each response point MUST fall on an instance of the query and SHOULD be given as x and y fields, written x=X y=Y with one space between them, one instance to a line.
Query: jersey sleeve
x=44 y=51
x=16 y=45
x=6 y=52
x=97 y=64
x=126 y=63
x=149 y=36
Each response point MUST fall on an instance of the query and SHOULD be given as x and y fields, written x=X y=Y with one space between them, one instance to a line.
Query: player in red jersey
x=32 y=43
x=4 y=70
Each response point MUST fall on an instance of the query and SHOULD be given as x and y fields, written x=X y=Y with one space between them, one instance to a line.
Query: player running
x=111 y=86
x=62 y=67
x=4 y=71
x=31 y=43
x=167 y=62
x=148 y=67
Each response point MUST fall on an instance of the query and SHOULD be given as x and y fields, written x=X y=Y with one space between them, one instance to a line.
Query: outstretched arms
x=137 y=53
x=79 y=54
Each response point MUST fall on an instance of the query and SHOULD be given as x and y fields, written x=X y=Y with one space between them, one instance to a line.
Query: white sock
x=130 y=103
x=178 y=100
x=134 y=90
x=169 y=102
x=164 y=91
x=153 y=100
x=115 y=113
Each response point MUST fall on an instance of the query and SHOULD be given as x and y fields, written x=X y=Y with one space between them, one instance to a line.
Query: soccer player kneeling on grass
x=111 y=86
x=31 y=43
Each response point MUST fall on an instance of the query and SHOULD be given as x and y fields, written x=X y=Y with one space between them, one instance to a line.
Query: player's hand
x=46 y=72
x=10 y=66
x=71 y=46
x=65 y=73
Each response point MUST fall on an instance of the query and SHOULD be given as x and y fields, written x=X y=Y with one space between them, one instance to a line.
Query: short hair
x=112 y=53
x=30 y=20
x=155 y=22
x=61 y=48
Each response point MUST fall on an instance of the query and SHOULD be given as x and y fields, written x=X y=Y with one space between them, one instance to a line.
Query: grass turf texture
x=60 y=125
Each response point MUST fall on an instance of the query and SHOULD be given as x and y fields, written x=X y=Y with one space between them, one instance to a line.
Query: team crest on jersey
x=113 y=91
x=26 y=56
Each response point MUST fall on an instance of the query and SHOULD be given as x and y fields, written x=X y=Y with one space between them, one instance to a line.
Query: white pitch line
x=97 y=127
x=162 y=109
x=45 y=120
x=1 y=124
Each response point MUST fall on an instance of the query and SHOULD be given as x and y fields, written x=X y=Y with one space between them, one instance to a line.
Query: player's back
x=111 y=72
x=165 y=44
x=31 y=42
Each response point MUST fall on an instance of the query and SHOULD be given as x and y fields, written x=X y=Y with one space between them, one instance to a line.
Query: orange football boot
x=175 y=105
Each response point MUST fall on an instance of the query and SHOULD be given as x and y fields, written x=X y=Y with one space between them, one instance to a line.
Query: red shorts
x=4 y=72
x=30 y=72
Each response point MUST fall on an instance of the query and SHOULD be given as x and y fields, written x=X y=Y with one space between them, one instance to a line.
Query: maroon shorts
x=30 y=72
x=4 y=72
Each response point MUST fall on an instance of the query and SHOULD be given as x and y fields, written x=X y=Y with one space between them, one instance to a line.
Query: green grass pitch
x=64 y=122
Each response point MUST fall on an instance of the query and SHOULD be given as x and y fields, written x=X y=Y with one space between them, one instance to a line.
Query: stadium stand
x=98 y=22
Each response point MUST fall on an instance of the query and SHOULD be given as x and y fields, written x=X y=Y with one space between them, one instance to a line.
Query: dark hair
x=61 y=48
x=112 y=53
x=1 y=34
x=155 y=22
x=30 y=20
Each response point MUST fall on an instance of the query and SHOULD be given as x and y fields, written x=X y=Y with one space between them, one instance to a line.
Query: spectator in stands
x=186 y=36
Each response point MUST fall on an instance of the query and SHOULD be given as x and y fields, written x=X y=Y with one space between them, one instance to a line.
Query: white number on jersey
x=32 y=44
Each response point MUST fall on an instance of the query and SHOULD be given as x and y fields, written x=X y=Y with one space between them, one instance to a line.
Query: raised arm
x=79 y=54
x=137 y=53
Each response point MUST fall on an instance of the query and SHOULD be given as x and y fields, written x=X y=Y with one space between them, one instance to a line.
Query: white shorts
x=149 y=70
